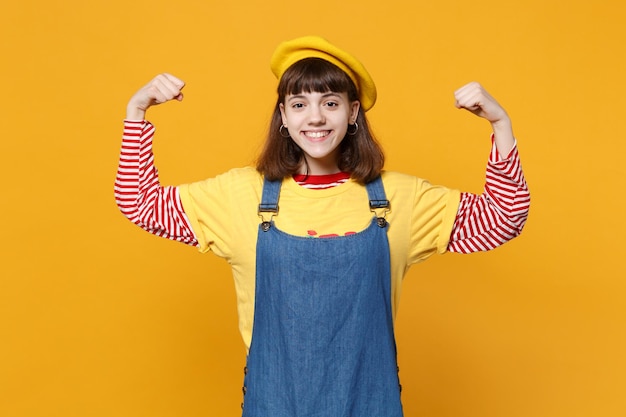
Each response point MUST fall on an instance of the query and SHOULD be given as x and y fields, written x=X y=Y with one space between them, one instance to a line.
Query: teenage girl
x=318 y=235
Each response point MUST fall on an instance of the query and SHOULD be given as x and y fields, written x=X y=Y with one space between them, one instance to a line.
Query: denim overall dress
x=322 y=343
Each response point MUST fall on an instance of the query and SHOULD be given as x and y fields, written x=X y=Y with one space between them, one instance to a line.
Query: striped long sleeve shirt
x=483 y=222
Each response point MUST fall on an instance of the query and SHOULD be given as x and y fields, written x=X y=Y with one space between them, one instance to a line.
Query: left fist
x=474 y=98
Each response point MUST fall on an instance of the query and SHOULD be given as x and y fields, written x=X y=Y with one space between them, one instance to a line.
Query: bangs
x=315 y=75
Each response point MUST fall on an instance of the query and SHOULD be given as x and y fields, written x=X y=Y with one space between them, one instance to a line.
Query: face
x=318 y=122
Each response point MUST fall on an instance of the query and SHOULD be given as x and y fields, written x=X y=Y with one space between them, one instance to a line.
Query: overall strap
x=378 y=200
x=269 y=202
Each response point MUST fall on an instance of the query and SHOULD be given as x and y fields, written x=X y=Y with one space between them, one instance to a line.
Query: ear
x=283 y=116
x=354 y=110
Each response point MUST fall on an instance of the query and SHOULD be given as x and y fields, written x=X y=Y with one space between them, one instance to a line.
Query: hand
x=164 y=87
x=474 y=98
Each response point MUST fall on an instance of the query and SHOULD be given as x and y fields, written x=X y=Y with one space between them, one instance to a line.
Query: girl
x=318 y=236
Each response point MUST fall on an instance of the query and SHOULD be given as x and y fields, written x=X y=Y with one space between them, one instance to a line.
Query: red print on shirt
x=313 y=233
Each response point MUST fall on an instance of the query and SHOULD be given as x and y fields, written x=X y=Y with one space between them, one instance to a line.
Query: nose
x=316 y=117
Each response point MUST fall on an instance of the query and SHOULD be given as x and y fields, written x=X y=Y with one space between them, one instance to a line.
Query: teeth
x=316 y=134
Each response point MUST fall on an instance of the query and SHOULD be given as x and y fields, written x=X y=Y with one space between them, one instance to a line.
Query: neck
x=319 y=167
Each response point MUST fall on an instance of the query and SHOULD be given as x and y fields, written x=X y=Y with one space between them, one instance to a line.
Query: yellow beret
x=290 y=52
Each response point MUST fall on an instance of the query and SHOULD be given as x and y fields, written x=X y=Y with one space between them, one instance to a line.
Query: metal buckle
x=264 y=209
x=380 y=208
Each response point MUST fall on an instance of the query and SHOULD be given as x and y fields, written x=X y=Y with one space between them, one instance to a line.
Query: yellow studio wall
x=98 y=318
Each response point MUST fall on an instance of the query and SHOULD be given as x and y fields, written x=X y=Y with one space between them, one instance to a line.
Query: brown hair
x=359 y=154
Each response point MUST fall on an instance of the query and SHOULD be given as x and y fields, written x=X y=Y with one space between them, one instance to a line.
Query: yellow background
x=98 y=318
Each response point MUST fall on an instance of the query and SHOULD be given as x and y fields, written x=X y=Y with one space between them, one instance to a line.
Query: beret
x=290 y=52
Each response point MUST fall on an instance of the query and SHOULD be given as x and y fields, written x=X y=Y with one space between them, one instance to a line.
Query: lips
x=317 y=134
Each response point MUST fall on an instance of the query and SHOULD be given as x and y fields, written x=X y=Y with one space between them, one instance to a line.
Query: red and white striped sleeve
x=138 y=193
x=486 y=221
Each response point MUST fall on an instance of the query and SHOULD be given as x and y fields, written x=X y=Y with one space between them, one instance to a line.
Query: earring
x=353 y=132
x=281 y=132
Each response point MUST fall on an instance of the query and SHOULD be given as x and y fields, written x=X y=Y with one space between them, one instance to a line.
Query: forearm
x=134 y=113
x=503 y=136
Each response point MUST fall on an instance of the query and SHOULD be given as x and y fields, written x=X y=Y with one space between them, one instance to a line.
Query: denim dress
x=322 y=342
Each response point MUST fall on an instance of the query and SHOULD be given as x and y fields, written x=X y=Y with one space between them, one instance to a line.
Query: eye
x=332 y=104
x=297 y=105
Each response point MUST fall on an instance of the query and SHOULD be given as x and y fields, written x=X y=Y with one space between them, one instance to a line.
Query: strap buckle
x=380 y=208
x=265 y=210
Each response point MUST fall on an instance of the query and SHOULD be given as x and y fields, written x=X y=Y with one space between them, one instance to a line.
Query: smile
x=317 y=134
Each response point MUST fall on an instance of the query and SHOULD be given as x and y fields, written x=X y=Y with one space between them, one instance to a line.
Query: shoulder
x=245 y=180
x=238 y=181
x=244 y=175
x=394 y=177
x=400 y=182
x=404 y=186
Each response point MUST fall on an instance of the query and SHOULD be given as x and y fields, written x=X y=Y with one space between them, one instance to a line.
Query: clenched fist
x=164 y=87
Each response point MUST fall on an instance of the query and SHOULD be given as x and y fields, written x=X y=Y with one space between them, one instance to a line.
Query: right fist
x=164 y=87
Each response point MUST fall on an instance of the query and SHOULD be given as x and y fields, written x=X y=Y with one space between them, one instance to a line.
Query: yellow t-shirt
x=223 y=215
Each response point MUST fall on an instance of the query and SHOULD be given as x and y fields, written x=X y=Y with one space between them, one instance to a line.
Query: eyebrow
x=325 y=95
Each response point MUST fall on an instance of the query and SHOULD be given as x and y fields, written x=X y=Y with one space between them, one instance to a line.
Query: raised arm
x=499 y=214
x=138 y=192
